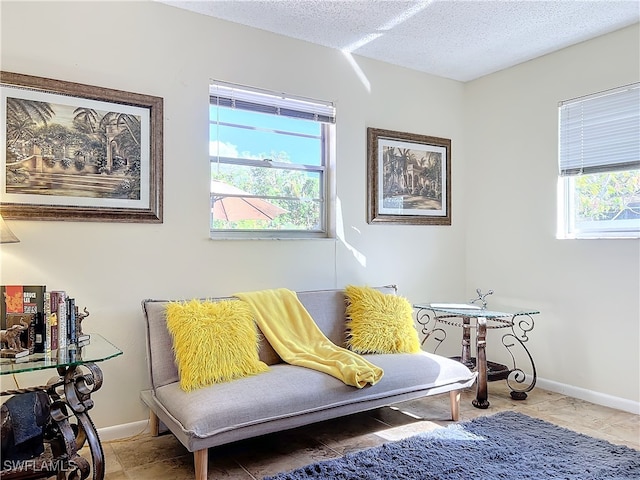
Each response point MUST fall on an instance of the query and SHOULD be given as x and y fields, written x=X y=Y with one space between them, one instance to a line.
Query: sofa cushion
x=288 y=391
x=213 y=341
x=379 y=322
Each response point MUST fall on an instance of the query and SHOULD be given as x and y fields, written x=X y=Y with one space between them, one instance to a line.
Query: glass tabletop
x=472 y=310
x=97 y=350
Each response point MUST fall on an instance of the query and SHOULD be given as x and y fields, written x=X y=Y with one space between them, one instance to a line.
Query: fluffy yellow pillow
x=213 y=342
x=379 y=323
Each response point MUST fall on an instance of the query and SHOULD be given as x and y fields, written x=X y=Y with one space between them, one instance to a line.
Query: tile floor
x=163 y=458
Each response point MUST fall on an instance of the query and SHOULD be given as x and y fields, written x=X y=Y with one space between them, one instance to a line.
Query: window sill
x=280 y=239
x=600 y=236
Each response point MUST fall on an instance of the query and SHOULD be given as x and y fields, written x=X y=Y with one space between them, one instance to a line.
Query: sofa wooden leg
x=201 y=460
x=454 y=398
x=154 y=424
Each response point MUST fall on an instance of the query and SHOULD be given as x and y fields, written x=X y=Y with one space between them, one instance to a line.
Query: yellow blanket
x=292 y=333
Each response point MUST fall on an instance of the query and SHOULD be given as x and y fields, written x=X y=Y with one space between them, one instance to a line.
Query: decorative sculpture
x=11 y=338
x=79 y=318
x=481 y=297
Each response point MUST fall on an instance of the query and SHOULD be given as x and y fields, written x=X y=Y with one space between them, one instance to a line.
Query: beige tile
x=428 y=408
x=357 y=443
x=334 y=432
x=568 y=411
x=392 y=417
x=627 y=430
x=121 y=475
x=226 y=469
x=111 y=462
x=589 y=424
x=405 y=431
x=146 y=449
x=178 y=468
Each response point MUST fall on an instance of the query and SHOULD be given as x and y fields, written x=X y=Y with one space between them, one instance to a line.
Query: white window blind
x=600 y=132
x=228 y=95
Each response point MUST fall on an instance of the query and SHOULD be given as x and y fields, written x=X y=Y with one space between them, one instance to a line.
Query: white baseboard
x=127 y=430
x=590 y=396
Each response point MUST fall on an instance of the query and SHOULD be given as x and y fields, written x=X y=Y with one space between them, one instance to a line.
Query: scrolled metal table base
x=69 y=428
x=520 y=325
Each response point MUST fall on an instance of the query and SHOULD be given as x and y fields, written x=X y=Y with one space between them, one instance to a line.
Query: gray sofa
x=286 y=396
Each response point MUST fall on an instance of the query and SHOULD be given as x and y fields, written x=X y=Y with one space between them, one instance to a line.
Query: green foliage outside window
x=608 y=196
x=303 y=190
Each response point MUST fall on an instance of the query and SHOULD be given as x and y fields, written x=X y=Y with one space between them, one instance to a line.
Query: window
x=270 y=162
x=599 y=159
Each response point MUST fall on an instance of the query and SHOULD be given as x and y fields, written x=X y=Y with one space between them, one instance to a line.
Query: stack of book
x=47 y=320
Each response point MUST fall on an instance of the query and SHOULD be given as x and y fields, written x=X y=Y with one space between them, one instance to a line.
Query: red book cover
x=25 y=300
x=12 y=301
x=21 y=299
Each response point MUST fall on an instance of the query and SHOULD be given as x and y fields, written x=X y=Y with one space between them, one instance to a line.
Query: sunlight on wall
x=360 y=258
x=356 y=68
x=12 y=260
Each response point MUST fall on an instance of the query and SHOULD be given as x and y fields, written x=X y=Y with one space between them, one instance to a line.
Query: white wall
x=158 y=50
x=588 y=290
x=503 y=217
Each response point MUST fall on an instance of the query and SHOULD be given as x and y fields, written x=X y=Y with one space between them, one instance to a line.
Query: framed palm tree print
x=408 y=178
x=77 y=152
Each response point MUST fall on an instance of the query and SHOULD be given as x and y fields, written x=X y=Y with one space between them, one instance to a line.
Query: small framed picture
x=409 y=178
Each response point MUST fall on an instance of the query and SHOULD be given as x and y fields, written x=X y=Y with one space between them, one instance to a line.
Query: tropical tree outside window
x=599 y=159
x=270 y=158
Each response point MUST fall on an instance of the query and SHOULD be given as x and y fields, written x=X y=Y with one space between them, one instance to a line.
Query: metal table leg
x=481 y=364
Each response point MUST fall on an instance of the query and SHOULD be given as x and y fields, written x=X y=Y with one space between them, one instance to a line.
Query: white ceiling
x=458 y=39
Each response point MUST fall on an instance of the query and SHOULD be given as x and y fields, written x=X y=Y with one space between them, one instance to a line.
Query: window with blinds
x=599 y=165
x=270 y=156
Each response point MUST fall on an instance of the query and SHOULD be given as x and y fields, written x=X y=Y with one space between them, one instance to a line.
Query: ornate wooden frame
x=412 y=187
x=144 y=206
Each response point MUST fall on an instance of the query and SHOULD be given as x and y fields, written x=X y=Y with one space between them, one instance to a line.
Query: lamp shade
x=6 y=235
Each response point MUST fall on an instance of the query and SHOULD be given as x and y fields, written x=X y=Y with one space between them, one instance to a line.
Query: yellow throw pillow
x=379 y=323
x=213 y=342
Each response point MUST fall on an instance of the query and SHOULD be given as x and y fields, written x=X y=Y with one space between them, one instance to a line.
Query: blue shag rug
x=507 y=445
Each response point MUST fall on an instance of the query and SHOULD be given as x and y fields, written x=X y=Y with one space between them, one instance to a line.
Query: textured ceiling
x=456 y=39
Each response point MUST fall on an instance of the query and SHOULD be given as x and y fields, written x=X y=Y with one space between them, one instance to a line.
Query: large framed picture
x=409 y=178
x=77 y=152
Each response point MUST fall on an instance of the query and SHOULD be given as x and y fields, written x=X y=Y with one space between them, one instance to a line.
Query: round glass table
x=472 y=317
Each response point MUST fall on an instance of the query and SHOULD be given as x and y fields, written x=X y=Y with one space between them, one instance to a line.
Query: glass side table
x=468 y=316
x=68 y=426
